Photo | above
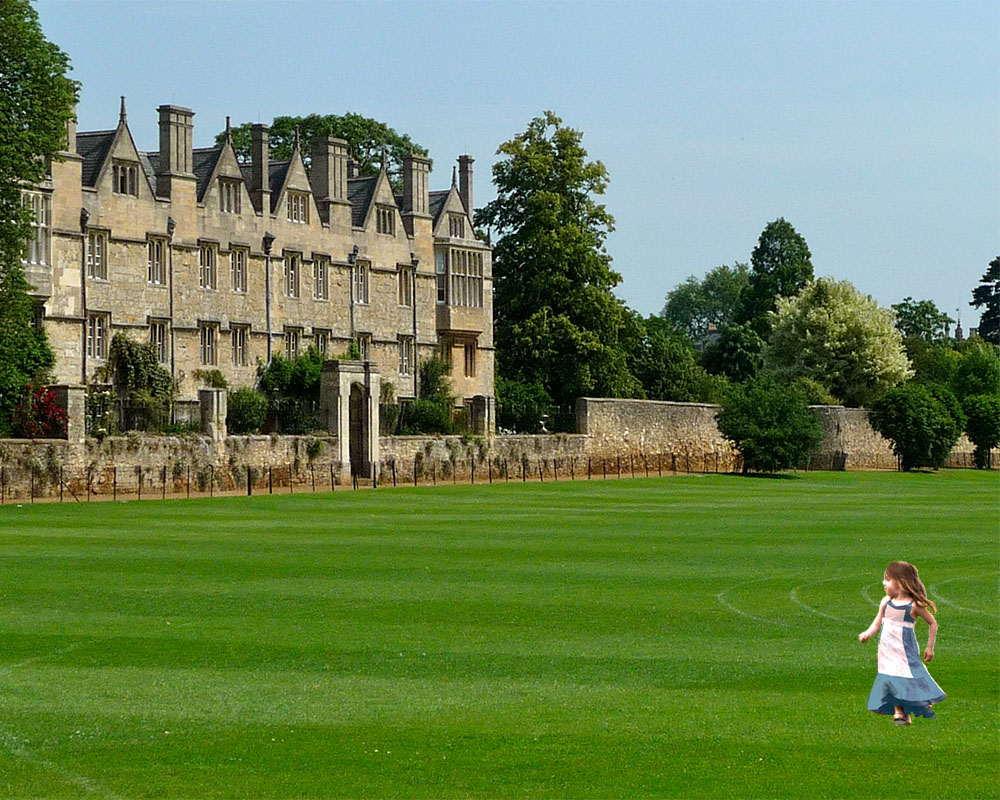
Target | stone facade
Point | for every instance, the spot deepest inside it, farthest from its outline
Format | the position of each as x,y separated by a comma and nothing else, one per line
223,263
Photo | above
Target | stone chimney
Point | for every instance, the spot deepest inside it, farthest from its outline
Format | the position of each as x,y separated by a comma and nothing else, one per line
176,159
71,132
353,171
416,194
465,182
329,173
260,180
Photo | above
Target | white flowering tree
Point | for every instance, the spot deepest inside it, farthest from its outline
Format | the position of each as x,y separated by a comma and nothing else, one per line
833,334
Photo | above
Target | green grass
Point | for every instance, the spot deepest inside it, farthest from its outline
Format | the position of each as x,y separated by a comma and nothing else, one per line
689,637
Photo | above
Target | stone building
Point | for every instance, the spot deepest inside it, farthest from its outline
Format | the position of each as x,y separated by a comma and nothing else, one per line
221,264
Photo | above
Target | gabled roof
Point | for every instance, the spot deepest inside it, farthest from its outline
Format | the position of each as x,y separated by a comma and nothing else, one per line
150,164
437,203
205,159
277,171
93,147
359,195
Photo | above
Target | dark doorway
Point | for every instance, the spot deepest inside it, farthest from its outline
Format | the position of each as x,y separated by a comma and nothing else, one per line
357,429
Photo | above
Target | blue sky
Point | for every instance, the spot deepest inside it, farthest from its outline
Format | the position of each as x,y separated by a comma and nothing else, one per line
874,128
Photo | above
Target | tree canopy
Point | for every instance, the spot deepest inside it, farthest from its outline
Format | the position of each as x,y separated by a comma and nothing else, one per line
988,294
36,102
366,139
921,319
840,338
919,423
781,266
557,323
666,364
695,304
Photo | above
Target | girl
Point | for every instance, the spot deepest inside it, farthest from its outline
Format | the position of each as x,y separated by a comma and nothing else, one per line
903,685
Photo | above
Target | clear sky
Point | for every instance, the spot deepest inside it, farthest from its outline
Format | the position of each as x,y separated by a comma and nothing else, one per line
873,127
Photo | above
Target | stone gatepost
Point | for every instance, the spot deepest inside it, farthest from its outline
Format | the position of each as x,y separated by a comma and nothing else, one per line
338,381
214,407
484,415
72,399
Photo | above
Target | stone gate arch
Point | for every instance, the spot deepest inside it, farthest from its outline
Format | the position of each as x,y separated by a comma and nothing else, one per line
349,392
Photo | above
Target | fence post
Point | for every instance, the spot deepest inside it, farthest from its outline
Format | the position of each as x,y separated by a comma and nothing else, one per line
645,461
88,484
333,479
588,467
393,463
270,479
60,484
138,489
619,467
631,464
434,473
541,477
31,471
290,489
114,482
249,483
506,472
3,484
312,474
489,466
555,469
211,480
523,468
414,471
189,483
472,470
163,483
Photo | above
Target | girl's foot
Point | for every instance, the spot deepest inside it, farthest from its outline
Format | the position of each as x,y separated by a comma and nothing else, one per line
902,719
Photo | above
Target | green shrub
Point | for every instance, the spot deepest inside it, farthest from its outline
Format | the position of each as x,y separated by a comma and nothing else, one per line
920,426
769,424
982,425
425,416
247,410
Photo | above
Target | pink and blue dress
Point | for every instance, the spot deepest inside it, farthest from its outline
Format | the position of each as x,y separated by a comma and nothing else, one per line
902,678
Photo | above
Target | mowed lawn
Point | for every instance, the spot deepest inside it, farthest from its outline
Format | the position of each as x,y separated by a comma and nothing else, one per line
689,637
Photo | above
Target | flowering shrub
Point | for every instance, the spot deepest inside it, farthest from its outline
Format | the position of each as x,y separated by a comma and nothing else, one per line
37,416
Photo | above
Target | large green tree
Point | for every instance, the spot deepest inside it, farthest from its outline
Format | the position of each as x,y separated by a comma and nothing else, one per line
36,101
366,138
919,422
557,323
781,266
665,362
921,319
988,294
696,304
833,334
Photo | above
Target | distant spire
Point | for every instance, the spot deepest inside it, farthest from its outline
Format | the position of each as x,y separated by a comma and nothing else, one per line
383,158
122,116
454,176
296,137
229,130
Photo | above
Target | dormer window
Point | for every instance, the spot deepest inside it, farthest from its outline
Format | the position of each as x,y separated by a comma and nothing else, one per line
297,206
125,176
456,226
229,196
385,221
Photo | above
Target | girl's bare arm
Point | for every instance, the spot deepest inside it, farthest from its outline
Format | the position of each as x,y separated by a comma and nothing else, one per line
932,627
867,634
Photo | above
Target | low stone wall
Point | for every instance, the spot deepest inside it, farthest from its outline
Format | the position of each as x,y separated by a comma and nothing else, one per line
617,437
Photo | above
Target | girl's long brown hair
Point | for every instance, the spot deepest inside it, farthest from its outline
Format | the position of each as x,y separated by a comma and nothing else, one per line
905,574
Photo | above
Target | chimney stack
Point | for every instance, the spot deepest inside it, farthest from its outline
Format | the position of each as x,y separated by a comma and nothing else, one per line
71,132
260,180
465,183
176,133
329,172
416,194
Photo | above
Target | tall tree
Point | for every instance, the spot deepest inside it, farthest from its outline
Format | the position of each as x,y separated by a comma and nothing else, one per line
557,323
714,300
988,294
840,338
921,319
665,362
366,139
781,266
36,102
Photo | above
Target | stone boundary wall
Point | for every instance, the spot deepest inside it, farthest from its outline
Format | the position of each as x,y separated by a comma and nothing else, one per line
617,437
